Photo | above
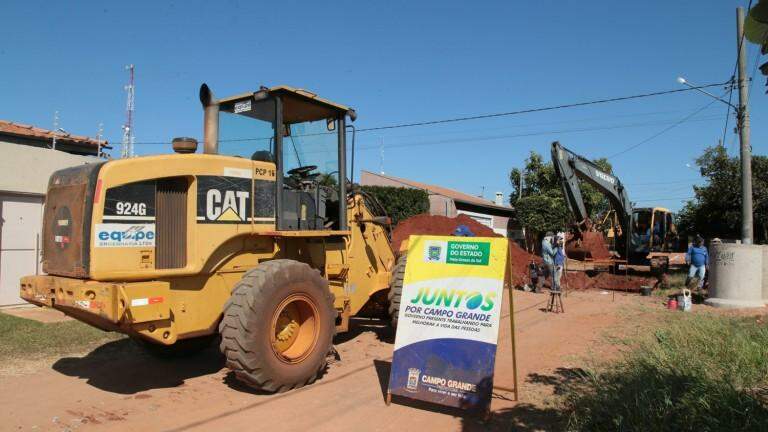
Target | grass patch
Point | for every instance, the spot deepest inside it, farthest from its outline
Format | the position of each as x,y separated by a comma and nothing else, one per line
697,372
26,339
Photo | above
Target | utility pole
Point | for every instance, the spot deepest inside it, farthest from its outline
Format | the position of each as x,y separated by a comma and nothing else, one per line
743,126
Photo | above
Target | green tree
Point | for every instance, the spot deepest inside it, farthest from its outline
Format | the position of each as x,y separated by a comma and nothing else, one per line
399,203
716,209
541,205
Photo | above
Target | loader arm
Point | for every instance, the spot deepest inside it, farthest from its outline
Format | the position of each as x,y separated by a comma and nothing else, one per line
570,167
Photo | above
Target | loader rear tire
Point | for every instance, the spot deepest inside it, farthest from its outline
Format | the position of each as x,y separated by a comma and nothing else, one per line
396,289
278,326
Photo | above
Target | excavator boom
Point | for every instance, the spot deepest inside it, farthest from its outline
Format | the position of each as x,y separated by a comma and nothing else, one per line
570,167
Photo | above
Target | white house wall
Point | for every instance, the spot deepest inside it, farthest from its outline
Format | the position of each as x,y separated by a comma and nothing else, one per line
20,224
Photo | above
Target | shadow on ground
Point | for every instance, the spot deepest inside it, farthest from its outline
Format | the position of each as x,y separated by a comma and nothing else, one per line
529,417
522,417
123,367
357,326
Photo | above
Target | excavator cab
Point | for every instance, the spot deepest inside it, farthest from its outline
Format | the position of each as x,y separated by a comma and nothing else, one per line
653,230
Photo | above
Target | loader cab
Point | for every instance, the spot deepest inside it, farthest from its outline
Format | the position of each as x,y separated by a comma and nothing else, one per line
302,135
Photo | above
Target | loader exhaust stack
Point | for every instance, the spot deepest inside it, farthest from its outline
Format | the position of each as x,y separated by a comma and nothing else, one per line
210,120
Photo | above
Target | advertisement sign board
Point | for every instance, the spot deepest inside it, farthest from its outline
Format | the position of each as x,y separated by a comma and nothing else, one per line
448,323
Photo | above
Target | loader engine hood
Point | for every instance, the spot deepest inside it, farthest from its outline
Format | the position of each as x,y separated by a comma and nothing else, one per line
67,220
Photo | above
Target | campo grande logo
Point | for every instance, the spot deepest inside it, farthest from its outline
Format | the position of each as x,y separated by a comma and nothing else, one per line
434,252
413,379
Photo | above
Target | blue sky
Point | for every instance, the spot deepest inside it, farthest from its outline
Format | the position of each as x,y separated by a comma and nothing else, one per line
399,62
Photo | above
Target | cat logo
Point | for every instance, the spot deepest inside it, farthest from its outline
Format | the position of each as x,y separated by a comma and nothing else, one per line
229,200
226,206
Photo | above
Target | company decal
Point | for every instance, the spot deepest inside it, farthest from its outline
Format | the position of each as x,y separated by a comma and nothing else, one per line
601,175
124,235
237,172
62,227
130,203
89,304
224,199
145,301
242,106
448,323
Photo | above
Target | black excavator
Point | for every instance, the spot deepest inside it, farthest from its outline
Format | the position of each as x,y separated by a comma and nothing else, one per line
643,236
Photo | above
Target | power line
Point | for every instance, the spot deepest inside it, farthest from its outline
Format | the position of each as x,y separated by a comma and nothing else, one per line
533,110
507,136
663,182
752,75
581,120
728,111
608,127
675,188
536,133
665,130
519,112
665,199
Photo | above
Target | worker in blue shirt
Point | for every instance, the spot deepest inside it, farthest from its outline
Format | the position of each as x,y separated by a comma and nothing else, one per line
559,261
548,255
698,259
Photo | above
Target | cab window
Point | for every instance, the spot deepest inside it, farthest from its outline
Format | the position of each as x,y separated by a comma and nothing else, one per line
246,129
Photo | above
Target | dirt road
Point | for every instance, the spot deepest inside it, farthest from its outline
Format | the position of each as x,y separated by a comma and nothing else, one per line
118,387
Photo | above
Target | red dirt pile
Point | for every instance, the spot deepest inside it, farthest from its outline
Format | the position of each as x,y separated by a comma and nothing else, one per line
609,281
590,245
579,281
426,224
519,265
441,225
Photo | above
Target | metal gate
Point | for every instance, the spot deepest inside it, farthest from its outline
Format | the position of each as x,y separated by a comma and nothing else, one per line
20,222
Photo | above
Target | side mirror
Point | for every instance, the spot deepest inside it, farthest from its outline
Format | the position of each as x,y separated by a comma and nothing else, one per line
330,124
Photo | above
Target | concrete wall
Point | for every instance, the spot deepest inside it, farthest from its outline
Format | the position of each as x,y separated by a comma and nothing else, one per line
26,170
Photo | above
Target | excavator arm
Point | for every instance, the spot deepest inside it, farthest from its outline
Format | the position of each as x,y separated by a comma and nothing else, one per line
571,167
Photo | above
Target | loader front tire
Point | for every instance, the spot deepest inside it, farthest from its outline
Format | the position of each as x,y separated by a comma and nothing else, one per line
278,326
396,289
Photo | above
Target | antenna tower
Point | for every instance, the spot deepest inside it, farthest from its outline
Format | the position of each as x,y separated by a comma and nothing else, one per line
127,145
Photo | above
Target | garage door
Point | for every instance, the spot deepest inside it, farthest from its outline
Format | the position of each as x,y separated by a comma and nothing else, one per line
20,222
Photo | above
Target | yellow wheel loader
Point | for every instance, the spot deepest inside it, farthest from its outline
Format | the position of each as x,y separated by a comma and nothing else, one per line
257,240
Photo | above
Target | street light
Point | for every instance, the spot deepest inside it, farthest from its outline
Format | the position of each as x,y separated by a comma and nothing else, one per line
683,81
